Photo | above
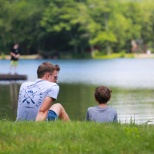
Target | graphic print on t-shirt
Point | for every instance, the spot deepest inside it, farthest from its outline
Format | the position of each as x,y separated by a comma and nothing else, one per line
30,96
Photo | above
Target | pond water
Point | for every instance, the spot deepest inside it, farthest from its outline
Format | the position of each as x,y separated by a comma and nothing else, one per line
131,80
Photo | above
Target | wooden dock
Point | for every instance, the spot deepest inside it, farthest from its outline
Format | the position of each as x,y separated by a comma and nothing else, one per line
8,77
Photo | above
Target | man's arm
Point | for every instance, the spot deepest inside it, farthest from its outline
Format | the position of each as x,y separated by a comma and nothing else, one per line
43,111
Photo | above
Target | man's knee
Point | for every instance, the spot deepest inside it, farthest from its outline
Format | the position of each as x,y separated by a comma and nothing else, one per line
59,105
60,111
58,108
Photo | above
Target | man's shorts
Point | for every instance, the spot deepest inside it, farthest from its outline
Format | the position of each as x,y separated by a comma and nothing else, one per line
14,62
52,116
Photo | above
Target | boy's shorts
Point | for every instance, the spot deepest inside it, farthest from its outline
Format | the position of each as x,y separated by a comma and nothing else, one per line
52,116
14,62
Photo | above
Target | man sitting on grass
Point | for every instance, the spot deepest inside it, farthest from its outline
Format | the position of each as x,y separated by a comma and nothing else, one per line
102,112
36,98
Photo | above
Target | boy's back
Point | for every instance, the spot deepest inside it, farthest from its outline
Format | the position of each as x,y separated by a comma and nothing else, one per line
99,114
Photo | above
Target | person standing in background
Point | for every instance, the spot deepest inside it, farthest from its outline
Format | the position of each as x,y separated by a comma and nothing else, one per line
15,53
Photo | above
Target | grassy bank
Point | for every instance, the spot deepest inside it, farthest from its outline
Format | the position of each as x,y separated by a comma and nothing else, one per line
75,138
100,55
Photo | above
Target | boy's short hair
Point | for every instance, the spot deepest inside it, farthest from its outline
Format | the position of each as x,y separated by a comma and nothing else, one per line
46,67
102,94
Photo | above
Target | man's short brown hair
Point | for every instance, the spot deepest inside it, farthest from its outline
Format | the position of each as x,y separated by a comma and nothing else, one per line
46,67
102,94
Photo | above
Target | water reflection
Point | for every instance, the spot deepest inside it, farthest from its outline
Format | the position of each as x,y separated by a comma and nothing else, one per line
13,94
8,100
136,105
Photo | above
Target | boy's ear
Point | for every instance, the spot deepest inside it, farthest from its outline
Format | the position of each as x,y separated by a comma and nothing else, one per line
96,100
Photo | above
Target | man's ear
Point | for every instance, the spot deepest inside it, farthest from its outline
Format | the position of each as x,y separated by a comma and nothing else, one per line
47,75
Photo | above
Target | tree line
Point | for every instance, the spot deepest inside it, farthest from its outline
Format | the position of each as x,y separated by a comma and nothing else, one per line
77,26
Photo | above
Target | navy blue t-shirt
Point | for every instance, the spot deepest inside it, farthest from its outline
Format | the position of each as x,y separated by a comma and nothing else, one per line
15,51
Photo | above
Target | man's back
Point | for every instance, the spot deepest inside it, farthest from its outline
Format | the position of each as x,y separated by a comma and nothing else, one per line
31,97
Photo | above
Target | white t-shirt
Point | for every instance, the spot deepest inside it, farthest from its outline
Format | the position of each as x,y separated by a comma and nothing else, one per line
31,97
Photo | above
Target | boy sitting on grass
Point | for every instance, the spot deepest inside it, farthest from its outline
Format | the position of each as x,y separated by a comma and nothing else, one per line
102,112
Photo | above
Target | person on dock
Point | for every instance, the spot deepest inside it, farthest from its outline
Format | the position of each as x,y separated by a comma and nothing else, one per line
36,98
102,112
14,57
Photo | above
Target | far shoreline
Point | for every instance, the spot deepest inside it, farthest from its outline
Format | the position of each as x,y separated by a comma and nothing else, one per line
35,56
111,56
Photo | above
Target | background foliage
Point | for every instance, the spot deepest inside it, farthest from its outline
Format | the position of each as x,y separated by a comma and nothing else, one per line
78,27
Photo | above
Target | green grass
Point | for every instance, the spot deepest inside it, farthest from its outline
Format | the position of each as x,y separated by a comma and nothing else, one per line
98,55
75,138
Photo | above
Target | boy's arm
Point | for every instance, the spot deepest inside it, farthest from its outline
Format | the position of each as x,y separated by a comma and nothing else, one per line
87,116
43,111
116,117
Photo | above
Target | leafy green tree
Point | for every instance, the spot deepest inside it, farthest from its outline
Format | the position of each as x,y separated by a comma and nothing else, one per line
21,22
62,20
75,25
147,30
